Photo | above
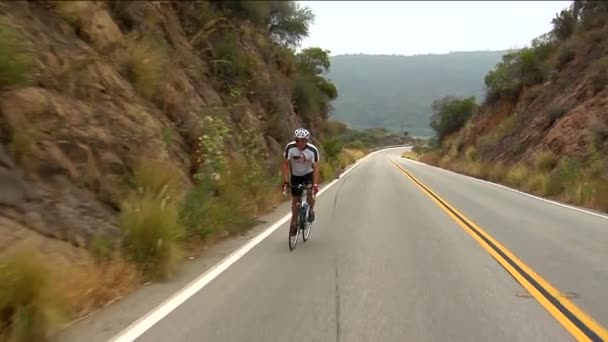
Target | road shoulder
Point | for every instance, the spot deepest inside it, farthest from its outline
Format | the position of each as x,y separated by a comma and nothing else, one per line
106,323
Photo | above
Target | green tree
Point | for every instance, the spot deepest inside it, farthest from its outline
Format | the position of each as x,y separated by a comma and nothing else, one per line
335,128
450,114
314,60
564,24
312,91
257,12
519,68
288,23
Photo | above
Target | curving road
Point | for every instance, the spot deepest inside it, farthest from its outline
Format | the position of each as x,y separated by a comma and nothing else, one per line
387,263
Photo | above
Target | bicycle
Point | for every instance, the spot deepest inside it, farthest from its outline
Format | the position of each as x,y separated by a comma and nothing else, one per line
301,223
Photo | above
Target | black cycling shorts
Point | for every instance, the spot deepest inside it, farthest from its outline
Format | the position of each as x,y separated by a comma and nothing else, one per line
296,180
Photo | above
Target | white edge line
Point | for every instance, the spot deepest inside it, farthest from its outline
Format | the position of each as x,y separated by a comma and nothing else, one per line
137,328
513,190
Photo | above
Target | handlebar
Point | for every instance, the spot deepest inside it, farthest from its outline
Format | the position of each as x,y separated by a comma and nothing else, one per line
299,186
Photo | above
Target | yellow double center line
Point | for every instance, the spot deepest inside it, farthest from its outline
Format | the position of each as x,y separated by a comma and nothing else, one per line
578,323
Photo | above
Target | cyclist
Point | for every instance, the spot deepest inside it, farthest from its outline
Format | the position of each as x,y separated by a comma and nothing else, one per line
302,159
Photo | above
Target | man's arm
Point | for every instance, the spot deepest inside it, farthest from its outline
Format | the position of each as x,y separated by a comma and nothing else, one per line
315,174
285,169
315,167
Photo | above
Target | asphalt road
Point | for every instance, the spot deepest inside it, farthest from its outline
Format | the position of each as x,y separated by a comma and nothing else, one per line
386,263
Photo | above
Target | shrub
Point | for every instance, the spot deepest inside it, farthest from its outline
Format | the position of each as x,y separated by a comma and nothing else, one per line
226,204
566,54
519,68
599,75
558,110
598,130
564,24
231,66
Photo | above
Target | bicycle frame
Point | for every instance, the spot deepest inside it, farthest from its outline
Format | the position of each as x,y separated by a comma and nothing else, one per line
301,220
303,204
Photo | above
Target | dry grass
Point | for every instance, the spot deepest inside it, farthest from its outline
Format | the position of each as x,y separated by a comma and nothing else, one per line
517,175
149,219
145,63
75,12
431,158
23,145
471,153
545,160
90,286
599,198
327,171
330,169
16,59
497,172
538,183
410,155
476,169
158,177
580,182
445,161
493,137
579,192
151,234
348,156
31,307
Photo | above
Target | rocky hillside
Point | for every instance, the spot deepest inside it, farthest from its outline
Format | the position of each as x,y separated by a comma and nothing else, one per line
543,126
129,128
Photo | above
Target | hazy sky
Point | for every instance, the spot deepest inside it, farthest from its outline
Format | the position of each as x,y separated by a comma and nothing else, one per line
412,27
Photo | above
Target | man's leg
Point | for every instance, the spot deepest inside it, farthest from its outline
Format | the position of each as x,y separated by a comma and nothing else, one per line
294,212
311,200
294,199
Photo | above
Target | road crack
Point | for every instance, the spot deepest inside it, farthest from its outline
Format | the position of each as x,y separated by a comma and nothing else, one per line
338,193
337,302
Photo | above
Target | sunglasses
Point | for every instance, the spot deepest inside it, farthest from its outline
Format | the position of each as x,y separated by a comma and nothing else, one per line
301,139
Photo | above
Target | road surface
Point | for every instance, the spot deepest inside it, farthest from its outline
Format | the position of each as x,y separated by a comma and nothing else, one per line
385,262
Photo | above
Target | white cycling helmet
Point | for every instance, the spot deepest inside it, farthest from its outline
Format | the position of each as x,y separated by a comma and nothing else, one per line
302,133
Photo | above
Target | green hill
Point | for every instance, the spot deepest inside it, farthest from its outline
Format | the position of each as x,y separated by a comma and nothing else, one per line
386,91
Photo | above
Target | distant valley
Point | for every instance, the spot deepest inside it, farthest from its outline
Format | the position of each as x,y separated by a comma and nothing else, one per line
391,91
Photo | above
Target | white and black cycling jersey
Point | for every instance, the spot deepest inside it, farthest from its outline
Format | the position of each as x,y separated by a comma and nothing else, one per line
301,160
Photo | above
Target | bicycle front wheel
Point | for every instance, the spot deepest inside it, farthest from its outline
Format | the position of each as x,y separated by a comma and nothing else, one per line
305,225
306,231
293,239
